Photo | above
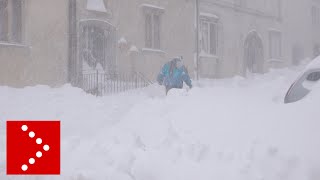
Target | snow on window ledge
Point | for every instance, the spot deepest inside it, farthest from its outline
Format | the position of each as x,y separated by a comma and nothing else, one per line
152,6
209,15
13,45
273,60
206,55
150,50
149,8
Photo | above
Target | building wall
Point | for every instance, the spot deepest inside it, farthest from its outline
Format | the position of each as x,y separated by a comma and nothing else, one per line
43,55
177,34
297,29
237,18
315,27
127,16
236,21
41,58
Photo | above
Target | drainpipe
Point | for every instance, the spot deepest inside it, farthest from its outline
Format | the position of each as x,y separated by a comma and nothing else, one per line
72,49
197,39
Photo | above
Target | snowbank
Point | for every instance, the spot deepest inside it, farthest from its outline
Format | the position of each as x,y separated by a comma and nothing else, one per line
229,129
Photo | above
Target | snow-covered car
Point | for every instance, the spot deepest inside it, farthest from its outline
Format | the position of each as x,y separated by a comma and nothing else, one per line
304,83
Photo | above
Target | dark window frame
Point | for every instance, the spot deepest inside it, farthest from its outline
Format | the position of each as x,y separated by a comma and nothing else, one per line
212,35
11,21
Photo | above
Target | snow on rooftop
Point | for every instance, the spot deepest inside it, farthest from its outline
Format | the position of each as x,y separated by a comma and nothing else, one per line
96,5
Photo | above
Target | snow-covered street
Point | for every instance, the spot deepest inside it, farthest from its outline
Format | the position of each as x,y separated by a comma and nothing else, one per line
230,129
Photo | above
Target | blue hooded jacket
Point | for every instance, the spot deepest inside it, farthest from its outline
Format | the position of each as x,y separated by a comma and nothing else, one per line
173,77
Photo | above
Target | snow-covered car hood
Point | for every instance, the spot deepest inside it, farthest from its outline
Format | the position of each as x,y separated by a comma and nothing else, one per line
305,82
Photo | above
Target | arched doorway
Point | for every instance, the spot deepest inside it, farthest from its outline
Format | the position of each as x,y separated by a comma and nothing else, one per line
253,53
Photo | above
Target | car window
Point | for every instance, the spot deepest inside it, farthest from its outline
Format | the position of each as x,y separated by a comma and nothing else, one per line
314,76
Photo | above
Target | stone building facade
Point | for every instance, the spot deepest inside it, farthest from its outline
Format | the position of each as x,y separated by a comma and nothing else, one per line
252,36
34,42
57,42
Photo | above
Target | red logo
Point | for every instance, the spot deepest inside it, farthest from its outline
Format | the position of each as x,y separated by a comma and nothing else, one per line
33,147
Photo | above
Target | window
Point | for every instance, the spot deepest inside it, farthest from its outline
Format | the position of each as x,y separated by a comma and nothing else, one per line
11,21
209,36
315,13
152,26
152,31
314,76
3,20
275,44
16,21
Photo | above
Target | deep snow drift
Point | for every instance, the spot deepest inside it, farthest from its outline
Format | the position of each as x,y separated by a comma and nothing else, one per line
229,129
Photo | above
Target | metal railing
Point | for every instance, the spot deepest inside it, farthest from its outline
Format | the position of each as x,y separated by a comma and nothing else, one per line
101,83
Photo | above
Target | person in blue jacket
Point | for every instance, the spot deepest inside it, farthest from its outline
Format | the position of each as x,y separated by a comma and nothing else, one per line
173,74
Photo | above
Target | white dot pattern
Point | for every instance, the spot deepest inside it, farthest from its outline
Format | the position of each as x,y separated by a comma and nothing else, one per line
24,128
39,141
39,154
31,134
32,161
24,167
46,147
